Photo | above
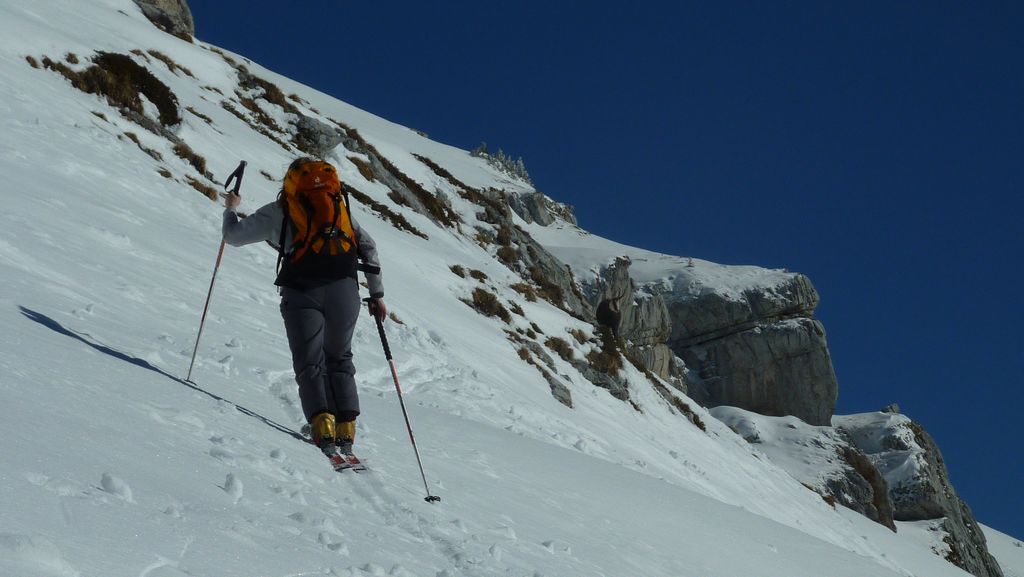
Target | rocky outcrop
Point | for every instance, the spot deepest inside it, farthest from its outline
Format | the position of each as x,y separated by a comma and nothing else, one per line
757,348
700,314
538,207
919,485
316,138
171,16
640,317
754,345
779,368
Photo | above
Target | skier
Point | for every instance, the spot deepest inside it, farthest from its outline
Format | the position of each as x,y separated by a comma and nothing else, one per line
319,244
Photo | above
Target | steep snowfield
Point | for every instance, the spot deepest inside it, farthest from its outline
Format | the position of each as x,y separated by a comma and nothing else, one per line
113,465
1008,550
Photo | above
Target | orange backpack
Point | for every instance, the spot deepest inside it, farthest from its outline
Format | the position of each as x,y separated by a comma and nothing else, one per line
318,211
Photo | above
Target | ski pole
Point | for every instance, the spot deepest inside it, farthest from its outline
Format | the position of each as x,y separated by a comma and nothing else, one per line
398,387
236,176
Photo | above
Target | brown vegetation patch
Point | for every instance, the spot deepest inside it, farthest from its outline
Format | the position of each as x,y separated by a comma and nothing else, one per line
562,347
487,303
152,153
478,274
526,290
508,254
364,168
516,309
228,59
258,113
504,237
606,359
226,105
184,152
121,81
549,290
437,209
32,61
397,198
397,220
579,335
164,172
270,91
207,190
100,115
200,115
171,64
71,58
440,171
458,270
681,406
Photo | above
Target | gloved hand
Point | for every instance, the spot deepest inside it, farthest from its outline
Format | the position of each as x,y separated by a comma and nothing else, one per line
377,308
231,200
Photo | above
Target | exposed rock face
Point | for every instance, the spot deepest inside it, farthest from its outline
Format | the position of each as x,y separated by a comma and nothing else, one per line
538,207
919,485
700,316
862,487
171,16
660,360
641,318
780,368
759,349
315,137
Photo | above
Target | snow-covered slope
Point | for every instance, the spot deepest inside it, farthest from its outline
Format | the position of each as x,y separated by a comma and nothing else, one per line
113,465
1008,550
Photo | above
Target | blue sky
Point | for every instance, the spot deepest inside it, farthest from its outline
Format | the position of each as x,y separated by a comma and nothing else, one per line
875,147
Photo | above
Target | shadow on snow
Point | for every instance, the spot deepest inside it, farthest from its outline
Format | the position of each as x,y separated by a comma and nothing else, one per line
87,339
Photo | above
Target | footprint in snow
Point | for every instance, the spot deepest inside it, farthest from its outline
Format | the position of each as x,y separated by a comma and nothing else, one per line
233,487
333,546
81,313
117,487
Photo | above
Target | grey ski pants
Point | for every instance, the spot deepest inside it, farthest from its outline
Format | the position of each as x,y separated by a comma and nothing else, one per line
319,323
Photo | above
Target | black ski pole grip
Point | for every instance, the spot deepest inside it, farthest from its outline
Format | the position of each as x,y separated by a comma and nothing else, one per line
236,176
380,330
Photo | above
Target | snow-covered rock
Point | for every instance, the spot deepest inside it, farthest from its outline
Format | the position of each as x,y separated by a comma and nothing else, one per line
820,457
171,16
919,484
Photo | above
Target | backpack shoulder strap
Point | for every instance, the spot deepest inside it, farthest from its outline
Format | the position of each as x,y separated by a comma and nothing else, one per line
360,265
284,230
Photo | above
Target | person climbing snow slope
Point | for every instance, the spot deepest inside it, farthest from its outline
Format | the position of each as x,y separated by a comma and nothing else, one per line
320,248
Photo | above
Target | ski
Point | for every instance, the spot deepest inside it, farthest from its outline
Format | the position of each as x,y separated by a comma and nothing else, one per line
354,463
346,462
339,461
